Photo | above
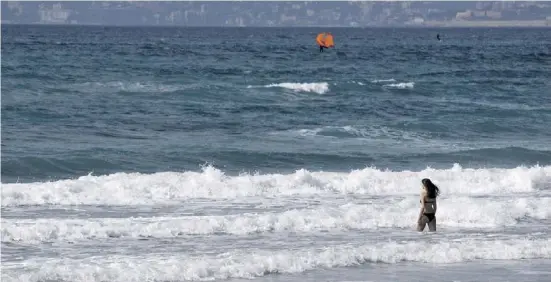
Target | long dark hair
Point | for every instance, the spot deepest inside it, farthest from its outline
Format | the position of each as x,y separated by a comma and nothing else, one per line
432,190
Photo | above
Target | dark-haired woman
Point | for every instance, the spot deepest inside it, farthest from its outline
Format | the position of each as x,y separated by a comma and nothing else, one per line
429,192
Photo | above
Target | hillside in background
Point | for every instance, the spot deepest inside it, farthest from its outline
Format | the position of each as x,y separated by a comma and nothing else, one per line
354,14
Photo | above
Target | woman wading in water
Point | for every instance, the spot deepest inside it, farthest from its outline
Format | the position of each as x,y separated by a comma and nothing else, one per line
429,192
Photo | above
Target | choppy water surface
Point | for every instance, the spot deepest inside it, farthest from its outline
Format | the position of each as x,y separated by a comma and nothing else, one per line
175,154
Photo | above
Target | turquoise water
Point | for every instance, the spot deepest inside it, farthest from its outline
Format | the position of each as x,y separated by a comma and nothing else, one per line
160,154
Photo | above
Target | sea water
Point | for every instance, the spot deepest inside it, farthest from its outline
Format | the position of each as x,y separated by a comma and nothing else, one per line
231,154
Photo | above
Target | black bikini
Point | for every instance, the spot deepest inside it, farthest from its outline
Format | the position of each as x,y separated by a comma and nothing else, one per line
430,216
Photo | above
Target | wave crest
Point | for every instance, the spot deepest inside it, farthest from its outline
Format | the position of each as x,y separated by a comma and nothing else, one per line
316,87
174,187
256,263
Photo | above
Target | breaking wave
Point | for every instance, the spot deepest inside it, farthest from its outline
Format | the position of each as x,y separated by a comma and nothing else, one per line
174,187
316,87
401,85
257,263
461,212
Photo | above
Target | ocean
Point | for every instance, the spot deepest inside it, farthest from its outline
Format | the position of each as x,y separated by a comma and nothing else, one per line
245,154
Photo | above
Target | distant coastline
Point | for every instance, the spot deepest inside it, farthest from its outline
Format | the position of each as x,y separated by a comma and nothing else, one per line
494,23
282,14
427,24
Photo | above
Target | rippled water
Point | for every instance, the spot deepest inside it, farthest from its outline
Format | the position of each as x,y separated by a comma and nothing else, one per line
174,154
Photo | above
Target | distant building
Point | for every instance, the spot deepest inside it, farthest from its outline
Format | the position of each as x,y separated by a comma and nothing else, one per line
56,15
418,20
493,15
464,15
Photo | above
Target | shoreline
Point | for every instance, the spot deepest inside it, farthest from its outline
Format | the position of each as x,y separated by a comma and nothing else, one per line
528,23
426,24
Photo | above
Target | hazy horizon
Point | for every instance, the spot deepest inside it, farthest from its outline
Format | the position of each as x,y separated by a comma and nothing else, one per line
279,14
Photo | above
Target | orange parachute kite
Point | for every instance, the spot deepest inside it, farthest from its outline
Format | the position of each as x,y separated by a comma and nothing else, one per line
325,40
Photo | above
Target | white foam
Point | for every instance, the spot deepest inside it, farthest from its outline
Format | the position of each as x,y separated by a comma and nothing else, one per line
383,80
401,85
316,87
134,86
460,212
381,132
257,263
308,132
371,132
174,187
